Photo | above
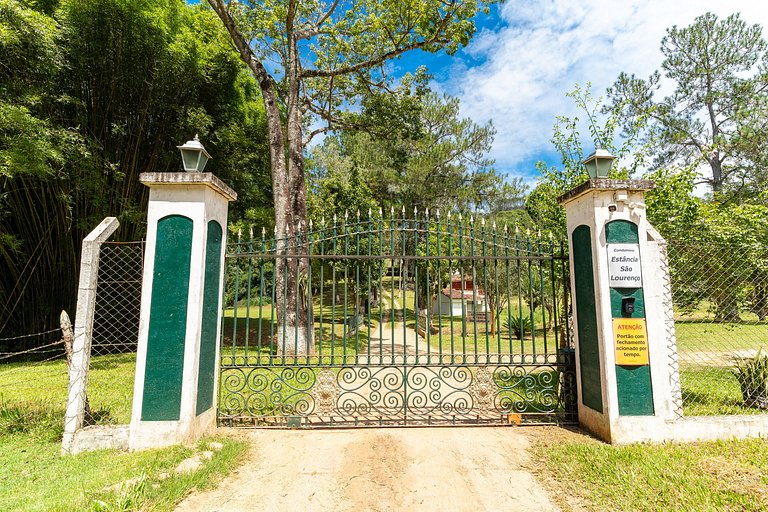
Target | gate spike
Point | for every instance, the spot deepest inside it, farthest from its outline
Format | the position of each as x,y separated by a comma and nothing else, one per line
334,219
346,216
358,214
505,227
403,211
322,221
369,213
494,225
392,211
310,224
459,216
449,215
426,212
381,213
483,221
437,213
263,231
250,232
239,234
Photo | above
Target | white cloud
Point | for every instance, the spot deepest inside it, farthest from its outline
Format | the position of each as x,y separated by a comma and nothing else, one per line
544,47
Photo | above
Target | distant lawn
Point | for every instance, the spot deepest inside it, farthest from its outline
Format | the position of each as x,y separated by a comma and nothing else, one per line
713,476
695,335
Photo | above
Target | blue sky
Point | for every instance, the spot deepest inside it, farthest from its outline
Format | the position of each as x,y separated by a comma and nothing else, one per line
527,54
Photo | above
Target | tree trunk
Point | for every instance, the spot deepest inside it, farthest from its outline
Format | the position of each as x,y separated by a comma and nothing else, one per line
293,335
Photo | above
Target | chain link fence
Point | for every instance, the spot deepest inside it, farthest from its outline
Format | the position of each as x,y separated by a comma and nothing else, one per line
720,297
115,331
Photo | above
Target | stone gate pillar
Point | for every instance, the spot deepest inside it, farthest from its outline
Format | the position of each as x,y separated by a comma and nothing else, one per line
176,378
626,384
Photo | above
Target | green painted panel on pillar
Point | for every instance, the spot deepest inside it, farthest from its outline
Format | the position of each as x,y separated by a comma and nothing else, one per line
621,232
207,368
589,351
634,390
167,320
633,383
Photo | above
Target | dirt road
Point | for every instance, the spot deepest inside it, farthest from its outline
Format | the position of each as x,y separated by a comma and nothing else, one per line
415,469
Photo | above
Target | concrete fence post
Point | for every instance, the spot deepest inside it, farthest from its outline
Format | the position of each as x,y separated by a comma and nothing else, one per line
81,347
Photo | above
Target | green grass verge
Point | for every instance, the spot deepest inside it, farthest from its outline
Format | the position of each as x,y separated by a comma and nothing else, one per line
713,476
35,476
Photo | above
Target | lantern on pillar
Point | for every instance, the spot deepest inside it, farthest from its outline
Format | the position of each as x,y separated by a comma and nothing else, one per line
599,163
193,155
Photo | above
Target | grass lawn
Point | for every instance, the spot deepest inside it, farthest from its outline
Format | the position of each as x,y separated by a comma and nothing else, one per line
583,473
35,476
696,335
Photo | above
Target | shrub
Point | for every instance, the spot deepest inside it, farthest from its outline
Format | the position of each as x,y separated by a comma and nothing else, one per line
518,325
752,374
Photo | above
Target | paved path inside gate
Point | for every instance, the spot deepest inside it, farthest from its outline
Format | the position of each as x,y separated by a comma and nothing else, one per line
396,469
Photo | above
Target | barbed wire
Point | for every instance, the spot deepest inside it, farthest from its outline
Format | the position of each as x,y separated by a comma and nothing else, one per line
8,355
22,336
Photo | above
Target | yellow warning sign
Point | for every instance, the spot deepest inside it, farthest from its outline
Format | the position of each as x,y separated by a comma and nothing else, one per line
630,339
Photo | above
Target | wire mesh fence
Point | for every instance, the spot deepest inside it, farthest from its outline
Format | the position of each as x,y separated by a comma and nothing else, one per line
115,331
720,296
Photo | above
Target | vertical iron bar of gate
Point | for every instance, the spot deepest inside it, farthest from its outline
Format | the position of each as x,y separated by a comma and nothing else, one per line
474,283
427,324
543,299
261,296
310,309
333,294
530,294
248,293
554,290
450,285
485,291
283,315
438,282
381,287
509,297
274,302
234,301
368,302
322,290
392,282
521,324
497,290
403,285
416,281
297,298
357,290
346,280
463,310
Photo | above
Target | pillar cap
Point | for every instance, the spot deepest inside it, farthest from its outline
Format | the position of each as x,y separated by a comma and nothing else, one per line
188,178
598,184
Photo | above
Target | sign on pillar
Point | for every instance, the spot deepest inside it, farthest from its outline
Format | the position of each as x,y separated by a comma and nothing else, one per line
175,384
623,377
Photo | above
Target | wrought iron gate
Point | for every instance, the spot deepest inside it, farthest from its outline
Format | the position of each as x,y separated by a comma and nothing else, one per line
420,321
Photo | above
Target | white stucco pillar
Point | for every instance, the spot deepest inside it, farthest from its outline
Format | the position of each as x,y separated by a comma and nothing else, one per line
175,387
626,384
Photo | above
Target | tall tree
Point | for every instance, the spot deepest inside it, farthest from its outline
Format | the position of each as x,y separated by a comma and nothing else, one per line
719,71
89,100
317,59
